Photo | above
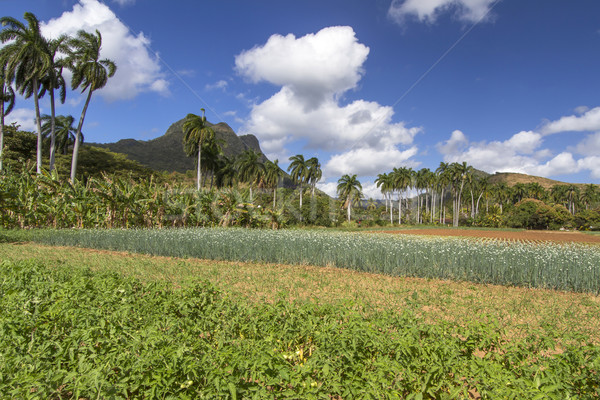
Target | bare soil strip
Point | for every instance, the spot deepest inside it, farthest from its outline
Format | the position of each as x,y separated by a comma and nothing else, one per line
529,236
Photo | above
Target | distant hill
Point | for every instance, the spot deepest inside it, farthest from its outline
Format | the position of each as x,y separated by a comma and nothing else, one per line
165,153
512,178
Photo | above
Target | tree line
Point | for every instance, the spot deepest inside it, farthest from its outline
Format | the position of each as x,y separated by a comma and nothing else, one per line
35,64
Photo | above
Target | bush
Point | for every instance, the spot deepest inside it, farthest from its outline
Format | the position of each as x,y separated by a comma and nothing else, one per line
535,214
587,220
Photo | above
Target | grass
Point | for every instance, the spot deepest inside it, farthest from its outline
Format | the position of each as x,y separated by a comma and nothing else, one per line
519,312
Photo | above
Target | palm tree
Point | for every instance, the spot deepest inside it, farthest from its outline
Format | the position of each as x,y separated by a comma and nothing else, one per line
422,182
589,195
402,179
502,193
314,173
64,131
212,150
196,131
572,193
90,73
460,173
251,169
53,80
7,95
299,172
26,60
273,175
519,190
349,190
385,183
443,174
226,172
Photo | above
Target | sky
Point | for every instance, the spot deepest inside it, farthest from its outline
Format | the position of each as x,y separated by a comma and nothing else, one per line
365,86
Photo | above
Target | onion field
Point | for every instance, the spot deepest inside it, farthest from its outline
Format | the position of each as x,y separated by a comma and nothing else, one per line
569,267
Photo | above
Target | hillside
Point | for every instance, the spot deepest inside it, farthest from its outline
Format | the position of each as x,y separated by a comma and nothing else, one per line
512,178
165,153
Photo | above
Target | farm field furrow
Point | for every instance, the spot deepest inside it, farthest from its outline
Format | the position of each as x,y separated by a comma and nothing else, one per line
517,236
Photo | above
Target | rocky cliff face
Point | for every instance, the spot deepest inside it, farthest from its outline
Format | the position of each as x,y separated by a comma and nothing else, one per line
165,153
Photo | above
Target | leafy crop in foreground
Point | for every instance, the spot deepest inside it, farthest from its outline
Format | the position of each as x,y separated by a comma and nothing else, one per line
68,333
565,267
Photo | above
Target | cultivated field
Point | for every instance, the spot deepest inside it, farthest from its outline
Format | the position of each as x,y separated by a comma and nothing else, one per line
83,323
514,235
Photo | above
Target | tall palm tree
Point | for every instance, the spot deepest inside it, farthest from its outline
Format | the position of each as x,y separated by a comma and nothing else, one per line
402,180
26,59
7,102
422,182
386,185
572,193
443,179
460,173
314,173
196,131
349,190
251,169
273,175
90,73
51,81
299,172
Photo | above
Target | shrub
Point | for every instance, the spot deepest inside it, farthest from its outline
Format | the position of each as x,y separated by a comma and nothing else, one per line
535,214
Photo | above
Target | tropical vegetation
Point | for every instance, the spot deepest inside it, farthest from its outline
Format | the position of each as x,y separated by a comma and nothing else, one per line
34,64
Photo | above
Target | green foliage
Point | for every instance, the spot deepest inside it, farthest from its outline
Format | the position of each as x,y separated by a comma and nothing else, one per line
535,214
71,333
19,148
587,220
564,267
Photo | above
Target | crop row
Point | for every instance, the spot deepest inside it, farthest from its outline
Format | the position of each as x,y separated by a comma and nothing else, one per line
565,267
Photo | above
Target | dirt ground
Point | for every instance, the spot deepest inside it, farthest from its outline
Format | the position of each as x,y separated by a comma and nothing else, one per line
529,236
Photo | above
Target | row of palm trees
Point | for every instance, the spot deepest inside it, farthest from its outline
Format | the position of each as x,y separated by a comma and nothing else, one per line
34,65
431,188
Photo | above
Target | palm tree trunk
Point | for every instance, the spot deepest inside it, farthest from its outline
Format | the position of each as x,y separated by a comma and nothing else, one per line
349,207
52,129
391,210
199,160
274,197
1,126
441,205
78,137
38,120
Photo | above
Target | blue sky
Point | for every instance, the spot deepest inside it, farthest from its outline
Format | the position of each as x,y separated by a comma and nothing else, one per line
363,85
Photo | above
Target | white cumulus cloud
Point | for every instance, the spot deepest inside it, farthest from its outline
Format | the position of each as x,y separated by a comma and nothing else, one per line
522,153
429,10
314,66
313,72
137,69
587,122
590,145
369,161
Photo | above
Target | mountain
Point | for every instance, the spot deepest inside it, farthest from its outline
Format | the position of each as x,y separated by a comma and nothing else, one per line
165,153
